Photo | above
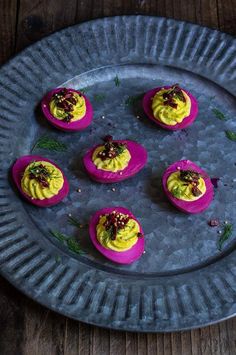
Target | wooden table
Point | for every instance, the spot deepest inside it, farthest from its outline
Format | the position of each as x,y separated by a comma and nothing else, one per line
28,328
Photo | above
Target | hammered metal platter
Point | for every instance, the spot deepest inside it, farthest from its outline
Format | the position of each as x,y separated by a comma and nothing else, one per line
182,281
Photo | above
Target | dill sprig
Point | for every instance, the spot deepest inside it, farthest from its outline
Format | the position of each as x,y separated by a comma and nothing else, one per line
231,135
74,221
57,258
49,143
59,236
84,90
71,243
131,100
227,232
74,246
117,80
176,192
220,115
120,148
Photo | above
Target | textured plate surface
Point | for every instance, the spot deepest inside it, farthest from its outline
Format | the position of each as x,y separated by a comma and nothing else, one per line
182,281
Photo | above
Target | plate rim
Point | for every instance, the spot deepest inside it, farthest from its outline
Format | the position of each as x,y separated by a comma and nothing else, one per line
138,21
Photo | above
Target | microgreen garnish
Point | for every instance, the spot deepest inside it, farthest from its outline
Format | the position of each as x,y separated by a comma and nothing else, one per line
173,93
65,100
231,135
49,143
99,97
111,149
71,243
120,148
114,222
117,80
131,100
227,232
176,192
74,221
40,173
219,114
191,177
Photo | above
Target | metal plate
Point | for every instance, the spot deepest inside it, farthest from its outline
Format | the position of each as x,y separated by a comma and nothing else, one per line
182,281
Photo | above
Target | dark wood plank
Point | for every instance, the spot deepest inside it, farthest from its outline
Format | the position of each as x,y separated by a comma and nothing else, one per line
12,319
205,341
117,343
8,19
131,343
36,19
100,341
227,16
195,342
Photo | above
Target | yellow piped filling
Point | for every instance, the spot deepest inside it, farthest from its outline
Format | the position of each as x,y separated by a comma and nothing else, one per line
78,112
120,162
167,114
125,239
34,189
183,191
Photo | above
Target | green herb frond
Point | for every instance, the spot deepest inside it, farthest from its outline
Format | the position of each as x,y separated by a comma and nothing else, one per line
117,80
131,100
220,115
49,143
74,221
70,242
231,135
74,246
59,236
227,232
176,192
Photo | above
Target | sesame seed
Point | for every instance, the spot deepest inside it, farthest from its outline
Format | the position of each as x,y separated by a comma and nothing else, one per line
78,190
103,117
69,215
219,232
137,116
226,222
144,252
120,173
44,105
113,189
178,167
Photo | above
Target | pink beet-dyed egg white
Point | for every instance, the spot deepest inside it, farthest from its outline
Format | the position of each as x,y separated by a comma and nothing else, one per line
196,206
18,170
137,161
187,121
67,105
120,257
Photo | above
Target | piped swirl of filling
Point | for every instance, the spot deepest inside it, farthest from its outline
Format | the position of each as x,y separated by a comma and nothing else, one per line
41,180
187,185
117,231
67,106
112,156
171,106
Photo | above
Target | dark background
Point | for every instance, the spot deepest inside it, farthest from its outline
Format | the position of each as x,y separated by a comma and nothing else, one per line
28,328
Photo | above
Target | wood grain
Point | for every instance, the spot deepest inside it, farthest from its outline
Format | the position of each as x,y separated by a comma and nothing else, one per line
28,328
8,19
